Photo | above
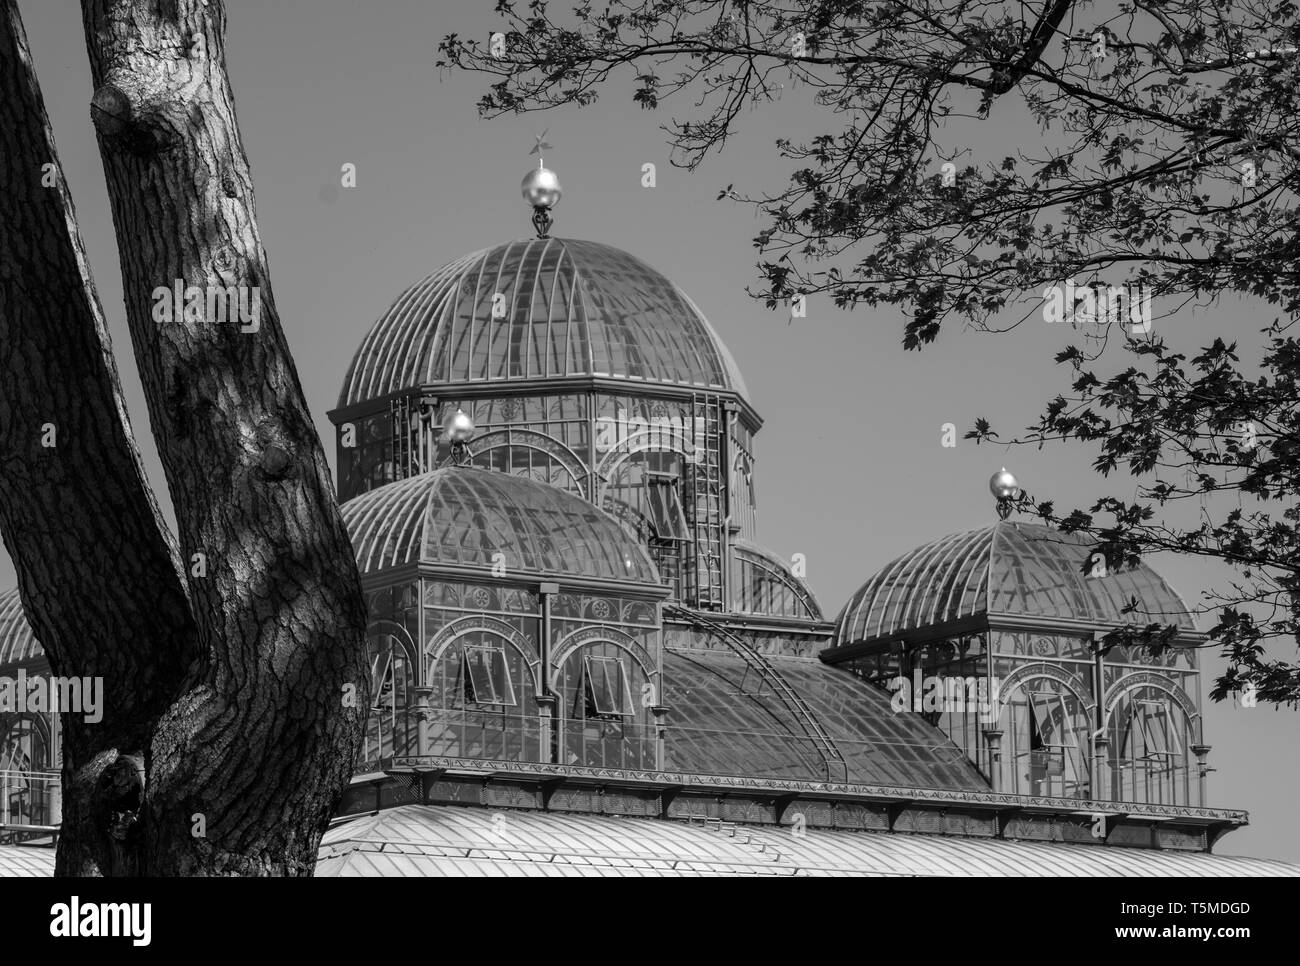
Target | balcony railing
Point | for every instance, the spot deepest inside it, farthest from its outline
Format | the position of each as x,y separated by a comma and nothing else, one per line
30,800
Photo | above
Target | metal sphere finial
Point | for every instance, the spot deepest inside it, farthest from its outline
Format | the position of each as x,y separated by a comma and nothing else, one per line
1006,490
459,430
541,189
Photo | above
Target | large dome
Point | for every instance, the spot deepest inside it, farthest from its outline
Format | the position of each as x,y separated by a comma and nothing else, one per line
566,309
18,645
465,517
1010,568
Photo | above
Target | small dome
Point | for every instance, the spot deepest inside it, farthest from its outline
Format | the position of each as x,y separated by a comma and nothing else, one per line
18,645
1013,568
568,309
464,517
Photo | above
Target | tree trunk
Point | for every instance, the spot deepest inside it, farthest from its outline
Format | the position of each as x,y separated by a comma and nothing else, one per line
244,765
94,560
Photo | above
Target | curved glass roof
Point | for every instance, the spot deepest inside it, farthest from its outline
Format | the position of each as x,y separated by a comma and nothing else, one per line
567,308
771,587
465,516
449,840
1011,567
18,644
723,722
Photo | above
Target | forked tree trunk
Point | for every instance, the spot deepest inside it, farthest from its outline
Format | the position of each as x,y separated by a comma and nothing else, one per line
94,561
241,754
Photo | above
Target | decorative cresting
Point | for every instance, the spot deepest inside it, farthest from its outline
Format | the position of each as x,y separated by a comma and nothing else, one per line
1025,673
1010,568
541,309
462,516
18,645
1149,679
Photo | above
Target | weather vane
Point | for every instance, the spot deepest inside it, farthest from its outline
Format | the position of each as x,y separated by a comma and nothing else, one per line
541,144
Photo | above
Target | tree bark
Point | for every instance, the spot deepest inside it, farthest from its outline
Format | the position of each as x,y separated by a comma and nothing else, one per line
95,562
258,749
252,734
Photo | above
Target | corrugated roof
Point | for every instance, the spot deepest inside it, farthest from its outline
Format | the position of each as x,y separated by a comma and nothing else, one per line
565,308
443,840
438,840
465,516
1017,568
26,861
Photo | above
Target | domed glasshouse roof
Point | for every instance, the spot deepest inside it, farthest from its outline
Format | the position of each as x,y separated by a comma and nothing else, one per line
1010,568
18,644
567,309
464,517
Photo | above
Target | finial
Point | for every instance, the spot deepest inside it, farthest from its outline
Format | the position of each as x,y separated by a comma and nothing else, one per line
541,189
1006,490
459,430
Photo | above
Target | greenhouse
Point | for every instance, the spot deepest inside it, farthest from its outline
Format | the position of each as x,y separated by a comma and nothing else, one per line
584,661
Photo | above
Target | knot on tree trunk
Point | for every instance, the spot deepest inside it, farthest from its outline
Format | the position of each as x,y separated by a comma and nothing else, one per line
121,118
119,796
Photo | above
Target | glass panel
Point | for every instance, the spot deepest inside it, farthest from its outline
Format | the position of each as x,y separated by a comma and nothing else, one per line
665,506
607,689
487,680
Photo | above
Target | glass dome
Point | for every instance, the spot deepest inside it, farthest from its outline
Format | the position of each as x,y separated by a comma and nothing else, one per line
18,645
474,518
1012,568
536,310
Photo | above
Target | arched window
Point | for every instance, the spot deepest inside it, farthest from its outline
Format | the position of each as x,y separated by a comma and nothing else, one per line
1045,748
23,744
484,699
25,795
1150,748
391,726
605,720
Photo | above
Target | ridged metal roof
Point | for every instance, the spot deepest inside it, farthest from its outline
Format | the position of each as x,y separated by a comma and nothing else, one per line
444,840
568,309
26,861
724,722
1011,567
18,644
465,516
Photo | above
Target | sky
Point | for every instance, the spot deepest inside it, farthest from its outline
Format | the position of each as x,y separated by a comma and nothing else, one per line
850,470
